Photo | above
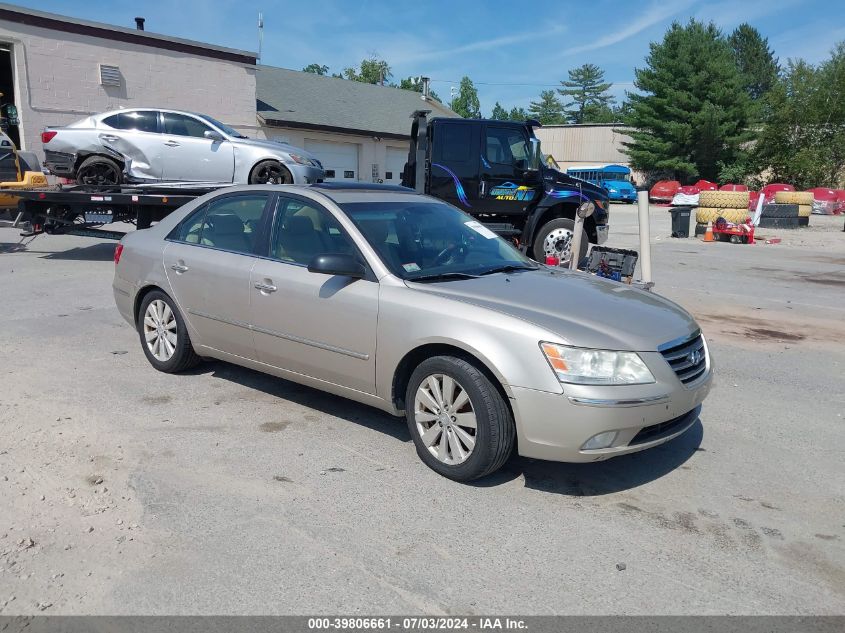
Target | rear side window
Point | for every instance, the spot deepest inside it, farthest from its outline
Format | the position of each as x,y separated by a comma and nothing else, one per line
140,121
181,125
456,142
231,223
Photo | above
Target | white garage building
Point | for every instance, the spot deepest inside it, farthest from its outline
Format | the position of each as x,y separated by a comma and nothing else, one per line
358,131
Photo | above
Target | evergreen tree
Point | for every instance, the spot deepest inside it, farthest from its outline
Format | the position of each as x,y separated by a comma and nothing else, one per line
415,84
756,62
518,114
588,91
499,113
691,116
466,102
548,110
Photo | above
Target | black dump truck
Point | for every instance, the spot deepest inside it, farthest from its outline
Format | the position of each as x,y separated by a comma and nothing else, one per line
494,170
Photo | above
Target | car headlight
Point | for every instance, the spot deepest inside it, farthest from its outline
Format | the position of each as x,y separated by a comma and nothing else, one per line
301,159
612,190
596,366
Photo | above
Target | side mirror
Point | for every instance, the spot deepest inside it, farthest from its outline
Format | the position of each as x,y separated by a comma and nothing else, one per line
217,137
534,155
337,264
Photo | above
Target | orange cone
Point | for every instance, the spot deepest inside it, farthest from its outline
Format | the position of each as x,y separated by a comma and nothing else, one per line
708,234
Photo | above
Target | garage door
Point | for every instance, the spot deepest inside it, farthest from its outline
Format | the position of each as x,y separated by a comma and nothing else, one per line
340,160
396,159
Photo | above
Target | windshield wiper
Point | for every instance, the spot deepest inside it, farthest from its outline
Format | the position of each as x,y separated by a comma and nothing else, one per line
508,269
444,277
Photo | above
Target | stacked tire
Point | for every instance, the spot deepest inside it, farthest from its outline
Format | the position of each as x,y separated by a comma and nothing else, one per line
730,205
804,200
780,215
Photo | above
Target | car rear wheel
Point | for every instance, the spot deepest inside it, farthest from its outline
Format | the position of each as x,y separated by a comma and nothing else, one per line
460,423
99,171
164,337
270,172
555,239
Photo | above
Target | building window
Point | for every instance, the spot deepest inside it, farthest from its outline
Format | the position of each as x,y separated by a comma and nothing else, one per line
349,174
330,173
388,175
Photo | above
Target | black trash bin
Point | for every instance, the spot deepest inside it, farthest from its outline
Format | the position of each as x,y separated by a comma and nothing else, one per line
681,221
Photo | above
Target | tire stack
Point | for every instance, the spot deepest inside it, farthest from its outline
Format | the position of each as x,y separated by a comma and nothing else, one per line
779,216
730,205
804,200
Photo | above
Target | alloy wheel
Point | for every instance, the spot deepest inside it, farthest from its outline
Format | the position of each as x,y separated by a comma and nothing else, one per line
445,419
160,330
558,243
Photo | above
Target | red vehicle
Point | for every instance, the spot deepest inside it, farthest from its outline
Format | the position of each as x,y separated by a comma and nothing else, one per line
771,189
664,190
706,185
733,187
736,233
840,202
689,190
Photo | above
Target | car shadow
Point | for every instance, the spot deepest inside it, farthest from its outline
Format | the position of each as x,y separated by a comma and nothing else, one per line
601,478
574,480
12,247
103,252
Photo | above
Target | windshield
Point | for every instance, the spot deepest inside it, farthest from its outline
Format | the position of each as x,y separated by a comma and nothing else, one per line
222,126
419,240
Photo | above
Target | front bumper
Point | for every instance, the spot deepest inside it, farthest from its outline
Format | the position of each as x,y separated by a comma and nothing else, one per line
305,174
555,426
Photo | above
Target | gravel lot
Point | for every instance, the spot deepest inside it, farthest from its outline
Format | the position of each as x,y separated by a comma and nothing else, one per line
127,491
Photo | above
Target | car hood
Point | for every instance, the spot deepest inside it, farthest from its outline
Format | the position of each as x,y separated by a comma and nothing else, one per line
576,308
556,180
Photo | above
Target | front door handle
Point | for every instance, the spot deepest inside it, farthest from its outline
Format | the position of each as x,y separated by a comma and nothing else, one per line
265,287
179,268
482,187
171,143
109,137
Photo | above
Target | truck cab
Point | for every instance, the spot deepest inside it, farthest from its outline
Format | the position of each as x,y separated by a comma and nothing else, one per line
494,171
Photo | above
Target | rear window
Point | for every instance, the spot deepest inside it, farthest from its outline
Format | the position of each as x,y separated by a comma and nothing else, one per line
141,121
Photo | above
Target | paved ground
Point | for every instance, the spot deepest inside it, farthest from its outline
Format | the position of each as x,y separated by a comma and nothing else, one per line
124,490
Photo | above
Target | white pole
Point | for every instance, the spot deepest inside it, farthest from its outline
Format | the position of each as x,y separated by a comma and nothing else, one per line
645,236
578,231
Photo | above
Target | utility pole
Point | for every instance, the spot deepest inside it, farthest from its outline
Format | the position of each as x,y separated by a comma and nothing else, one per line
260,33
453,92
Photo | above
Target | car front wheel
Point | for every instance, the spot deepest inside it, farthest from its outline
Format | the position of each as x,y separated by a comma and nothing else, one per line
460,423
270,172
555,238
164,337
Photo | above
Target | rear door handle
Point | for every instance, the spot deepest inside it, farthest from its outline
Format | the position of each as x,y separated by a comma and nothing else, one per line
109,137
179,268
265,287
171,143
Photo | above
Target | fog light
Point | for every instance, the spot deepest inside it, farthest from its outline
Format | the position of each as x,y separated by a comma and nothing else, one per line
602,440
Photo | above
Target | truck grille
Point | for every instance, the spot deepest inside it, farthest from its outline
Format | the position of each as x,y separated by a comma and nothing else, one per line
688,359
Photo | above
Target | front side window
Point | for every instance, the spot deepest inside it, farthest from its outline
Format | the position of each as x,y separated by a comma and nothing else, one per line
229,223
137,120
303,229
506,146
182,125
418,239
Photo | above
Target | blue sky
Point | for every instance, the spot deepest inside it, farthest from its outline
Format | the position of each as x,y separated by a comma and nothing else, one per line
511,50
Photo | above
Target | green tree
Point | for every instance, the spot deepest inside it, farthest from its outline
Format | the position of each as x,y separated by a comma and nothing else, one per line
691,115
756,62
518,114
466,102
548,110
371,71
416,84
588,91
317,69
802,138
499,113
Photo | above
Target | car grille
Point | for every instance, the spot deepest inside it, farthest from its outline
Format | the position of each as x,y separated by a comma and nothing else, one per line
688,359
664,429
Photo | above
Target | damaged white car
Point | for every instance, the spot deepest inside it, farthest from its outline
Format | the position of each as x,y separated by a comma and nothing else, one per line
153,145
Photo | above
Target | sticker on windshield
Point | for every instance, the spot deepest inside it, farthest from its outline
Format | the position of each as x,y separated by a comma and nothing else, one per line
479,228
411,268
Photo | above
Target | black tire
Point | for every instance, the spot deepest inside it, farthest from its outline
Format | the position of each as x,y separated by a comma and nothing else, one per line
804,220
183,357
547,229
99,171
778,223
495,432
270,171
779,211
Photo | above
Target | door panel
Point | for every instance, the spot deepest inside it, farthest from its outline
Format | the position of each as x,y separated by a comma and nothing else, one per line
395,160
455,163
135,135
340,160
319,325
188,156
504,163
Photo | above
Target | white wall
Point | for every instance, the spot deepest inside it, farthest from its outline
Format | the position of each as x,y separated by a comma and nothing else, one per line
57,80
370,151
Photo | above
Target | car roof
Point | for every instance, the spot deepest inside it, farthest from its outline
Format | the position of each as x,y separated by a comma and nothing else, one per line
334,191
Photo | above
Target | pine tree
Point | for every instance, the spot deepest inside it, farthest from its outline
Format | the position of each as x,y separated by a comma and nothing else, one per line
517,114
691,116
466,102
756,62
548,110
588,90
499,113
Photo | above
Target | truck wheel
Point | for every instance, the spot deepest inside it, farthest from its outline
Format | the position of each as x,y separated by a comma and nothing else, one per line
99,170
555,238
459,422
164,336
270,172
